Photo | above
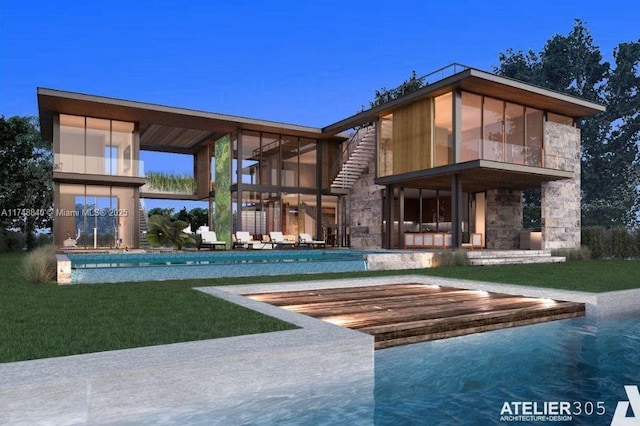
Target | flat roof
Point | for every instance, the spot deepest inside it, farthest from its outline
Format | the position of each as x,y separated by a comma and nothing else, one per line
482,83
190,127
183,130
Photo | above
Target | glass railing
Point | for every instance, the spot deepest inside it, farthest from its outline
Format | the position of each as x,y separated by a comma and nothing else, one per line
486,149
75,163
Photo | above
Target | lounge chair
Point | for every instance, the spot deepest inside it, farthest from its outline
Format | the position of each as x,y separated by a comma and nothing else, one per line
277,240
307,241
210,240
200,229
244,239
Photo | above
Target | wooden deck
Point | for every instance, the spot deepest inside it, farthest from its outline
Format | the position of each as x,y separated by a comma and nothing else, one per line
401,314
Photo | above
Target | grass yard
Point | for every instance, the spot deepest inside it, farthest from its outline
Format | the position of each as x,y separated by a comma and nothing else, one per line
46,320
592,276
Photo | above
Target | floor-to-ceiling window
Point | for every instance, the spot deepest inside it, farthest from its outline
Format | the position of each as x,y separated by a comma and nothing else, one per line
95,216
471,126
443,130
278,184
95,146
497,130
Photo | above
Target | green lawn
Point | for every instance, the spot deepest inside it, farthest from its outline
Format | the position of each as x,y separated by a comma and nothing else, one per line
592,276
40,321
46,320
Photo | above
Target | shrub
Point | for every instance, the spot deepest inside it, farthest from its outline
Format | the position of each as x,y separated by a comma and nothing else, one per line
11,241
43,240
450,258
40,265
582,253
164,231
621,243
596,240
613,243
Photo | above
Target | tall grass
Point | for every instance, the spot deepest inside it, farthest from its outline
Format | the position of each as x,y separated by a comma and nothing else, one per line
451,258
582,253
39,265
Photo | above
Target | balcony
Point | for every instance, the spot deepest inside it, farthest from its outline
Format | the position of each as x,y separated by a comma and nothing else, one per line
484,149
87,165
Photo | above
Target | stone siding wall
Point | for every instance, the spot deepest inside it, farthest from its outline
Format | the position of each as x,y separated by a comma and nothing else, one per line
560,200
365,208
503,219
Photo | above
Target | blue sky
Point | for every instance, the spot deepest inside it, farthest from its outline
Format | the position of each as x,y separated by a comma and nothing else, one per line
302,62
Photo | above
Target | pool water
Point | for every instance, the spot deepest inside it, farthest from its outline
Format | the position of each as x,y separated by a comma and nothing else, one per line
462,381
119,267
467,380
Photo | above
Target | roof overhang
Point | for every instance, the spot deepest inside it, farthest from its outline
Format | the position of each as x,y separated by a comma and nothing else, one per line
165,128
477,176
482,83
161,127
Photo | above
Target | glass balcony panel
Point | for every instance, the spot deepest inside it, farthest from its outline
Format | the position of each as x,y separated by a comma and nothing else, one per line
78,163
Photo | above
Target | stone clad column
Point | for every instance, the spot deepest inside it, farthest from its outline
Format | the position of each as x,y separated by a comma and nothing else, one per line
560,200
503,219
366,212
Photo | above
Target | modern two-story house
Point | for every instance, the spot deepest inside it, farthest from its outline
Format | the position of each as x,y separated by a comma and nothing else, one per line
433,168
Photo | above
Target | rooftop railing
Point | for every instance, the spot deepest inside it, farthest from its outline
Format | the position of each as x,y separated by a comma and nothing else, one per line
416,83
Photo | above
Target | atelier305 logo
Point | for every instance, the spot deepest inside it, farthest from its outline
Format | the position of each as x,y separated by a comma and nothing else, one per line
627,413
620,415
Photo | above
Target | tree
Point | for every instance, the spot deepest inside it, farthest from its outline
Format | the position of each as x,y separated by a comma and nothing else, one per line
164,231
26,170
167,211
199,217
384,95
573,64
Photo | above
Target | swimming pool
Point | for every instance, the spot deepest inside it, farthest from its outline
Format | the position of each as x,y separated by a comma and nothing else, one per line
467,380
120,267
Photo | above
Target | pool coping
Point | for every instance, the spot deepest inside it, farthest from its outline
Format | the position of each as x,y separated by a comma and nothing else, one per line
132,384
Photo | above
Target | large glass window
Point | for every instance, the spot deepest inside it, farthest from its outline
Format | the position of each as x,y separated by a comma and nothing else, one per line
270,159
96,146
508,132
250,157
534,135
290,161
71,152
95,216
308,161
493,129
471,126
514,133
385,146
234,153
122,144
443,130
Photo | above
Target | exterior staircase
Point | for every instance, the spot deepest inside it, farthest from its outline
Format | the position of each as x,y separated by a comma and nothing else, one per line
355,159
143,225
511,257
